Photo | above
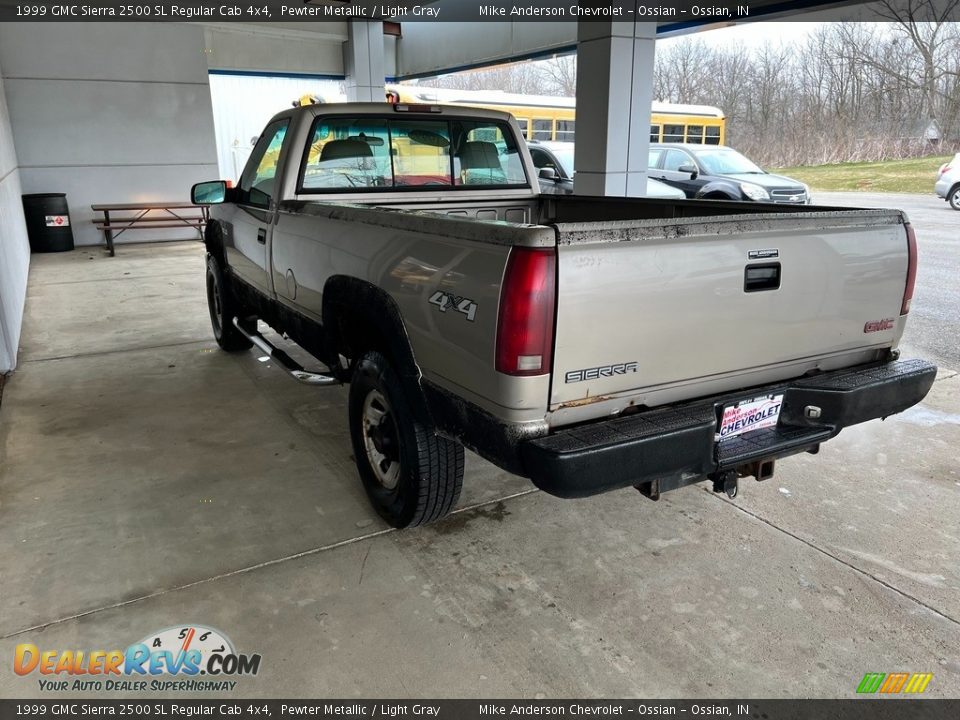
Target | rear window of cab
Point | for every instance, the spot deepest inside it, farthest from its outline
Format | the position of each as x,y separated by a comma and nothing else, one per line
369,154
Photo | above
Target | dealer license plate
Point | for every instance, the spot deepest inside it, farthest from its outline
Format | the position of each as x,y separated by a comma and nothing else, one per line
748,415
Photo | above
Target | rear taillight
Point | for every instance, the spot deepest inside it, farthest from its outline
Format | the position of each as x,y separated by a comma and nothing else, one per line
911,269
945,168
525,323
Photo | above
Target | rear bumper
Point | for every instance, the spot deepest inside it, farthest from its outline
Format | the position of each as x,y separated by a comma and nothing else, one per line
676,445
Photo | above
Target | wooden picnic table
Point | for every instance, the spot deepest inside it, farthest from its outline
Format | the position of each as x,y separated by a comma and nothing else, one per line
137,217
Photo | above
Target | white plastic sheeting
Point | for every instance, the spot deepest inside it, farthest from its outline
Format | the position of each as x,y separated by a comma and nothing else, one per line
242,105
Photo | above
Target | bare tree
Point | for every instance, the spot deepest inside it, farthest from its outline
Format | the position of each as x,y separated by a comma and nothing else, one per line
560,75
847,91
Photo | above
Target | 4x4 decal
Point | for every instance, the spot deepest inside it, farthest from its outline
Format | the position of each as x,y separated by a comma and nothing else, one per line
445,301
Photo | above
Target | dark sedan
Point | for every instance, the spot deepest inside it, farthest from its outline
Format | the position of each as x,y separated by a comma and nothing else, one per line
717,172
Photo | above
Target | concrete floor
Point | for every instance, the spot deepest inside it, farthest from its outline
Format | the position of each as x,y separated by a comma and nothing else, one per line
148,480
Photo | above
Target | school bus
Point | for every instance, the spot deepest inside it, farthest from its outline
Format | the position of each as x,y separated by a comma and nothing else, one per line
544,117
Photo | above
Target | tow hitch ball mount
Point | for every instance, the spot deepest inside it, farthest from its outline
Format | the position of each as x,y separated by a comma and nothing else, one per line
727,481
724,481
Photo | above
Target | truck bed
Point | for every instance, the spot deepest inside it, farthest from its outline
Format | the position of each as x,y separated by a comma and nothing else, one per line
652,299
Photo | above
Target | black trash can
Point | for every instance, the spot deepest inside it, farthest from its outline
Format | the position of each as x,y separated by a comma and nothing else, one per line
48,222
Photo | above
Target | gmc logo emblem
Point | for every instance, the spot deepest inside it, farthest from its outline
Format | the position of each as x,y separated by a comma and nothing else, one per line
878,325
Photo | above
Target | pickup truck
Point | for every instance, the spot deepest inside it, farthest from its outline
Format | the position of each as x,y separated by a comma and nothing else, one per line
587,343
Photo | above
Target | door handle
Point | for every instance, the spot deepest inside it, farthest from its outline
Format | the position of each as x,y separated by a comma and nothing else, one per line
262,236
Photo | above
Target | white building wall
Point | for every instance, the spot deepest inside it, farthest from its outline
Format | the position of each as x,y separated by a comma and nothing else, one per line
242,106
14,248
109,112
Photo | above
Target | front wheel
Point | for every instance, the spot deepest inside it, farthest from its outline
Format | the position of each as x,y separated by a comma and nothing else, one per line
955,197
223,309
411,475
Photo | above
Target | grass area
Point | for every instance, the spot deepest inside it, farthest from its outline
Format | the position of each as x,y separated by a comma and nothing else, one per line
916,175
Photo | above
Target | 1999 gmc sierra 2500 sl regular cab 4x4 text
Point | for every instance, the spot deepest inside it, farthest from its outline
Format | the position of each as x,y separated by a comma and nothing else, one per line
588,343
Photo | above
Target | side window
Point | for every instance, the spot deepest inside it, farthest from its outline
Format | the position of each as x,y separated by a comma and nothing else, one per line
695,134
258,181
675,159
653,158
540,158
654,133
524,127
713,135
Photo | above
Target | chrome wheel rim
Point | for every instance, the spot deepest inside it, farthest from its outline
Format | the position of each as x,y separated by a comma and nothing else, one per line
955,198
380,439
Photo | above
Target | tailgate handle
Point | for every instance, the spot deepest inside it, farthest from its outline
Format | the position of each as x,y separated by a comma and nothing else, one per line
262,236
761,277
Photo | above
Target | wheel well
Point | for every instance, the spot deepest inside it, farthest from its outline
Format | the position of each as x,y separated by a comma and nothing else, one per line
213,240
358,316
716,195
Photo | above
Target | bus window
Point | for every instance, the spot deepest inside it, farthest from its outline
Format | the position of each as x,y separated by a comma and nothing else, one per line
673,133
654,133
524,127
695,134
713,135
565,130
542,130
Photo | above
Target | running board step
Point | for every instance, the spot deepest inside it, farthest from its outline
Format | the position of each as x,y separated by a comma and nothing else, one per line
286,363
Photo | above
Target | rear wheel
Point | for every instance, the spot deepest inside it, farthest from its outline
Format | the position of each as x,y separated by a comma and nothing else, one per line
411,475
955,197
223,309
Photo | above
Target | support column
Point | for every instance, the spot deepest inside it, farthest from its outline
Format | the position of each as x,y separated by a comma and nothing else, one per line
363,61
614,93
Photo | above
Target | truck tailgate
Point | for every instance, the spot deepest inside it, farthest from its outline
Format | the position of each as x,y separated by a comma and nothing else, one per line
648,304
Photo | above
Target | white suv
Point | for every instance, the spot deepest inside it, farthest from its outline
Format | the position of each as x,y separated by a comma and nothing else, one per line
948,182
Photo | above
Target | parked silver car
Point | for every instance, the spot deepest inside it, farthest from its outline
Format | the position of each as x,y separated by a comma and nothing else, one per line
948,182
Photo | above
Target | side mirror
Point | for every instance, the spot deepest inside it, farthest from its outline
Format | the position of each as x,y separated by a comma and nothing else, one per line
209,193
688,169
548,173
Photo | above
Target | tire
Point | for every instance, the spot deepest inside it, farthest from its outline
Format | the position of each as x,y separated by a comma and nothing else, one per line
411,475
223,309
955,197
